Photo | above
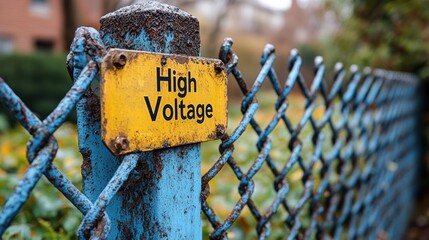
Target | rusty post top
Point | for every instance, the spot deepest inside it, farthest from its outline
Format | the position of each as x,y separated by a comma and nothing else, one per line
152,26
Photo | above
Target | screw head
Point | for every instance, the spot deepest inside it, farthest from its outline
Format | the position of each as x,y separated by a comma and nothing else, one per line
163,60
121,143
119,60
220,130
218,67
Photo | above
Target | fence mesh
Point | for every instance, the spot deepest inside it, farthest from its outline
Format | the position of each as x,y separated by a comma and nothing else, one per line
345,168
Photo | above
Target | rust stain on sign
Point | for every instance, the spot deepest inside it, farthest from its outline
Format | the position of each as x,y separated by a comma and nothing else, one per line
153,100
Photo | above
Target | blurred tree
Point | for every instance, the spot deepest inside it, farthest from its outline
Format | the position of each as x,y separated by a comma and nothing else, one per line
391,34
69,22
71,15
222,9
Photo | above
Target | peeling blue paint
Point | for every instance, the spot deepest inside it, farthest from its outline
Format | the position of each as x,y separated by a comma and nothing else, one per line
160,199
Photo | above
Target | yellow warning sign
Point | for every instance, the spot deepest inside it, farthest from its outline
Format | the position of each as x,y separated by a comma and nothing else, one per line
152,100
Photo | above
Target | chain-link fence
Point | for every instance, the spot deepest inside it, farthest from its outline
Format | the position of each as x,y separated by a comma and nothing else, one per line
356,162
343,166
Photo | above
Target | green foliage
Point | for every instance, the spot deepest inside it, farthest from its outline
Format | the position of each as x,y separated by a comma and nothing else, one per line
308,53
390,34
39,79
46,214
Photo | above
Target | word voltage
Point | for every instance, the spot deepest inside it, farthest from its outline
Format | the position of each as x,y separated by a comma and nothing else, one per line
153,100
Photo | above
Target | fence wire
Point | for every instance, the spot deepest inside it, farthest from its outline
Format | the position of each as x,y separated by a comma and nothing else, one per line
356,171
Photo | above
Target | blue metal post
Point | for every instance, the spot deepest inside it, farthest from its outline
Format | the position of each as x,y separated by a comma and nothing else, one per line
160,199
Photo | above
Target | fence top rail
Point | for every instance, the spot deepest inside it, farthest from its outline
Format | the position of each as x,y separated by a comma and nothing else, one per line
396,76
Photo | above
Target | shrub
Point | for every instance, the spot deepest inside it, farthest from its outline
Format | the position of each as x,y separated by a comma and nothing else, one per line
40,79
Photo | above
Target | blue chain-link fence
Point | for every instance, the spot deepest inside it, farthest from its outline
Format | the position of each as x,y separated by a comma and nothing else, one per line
345,169
354,163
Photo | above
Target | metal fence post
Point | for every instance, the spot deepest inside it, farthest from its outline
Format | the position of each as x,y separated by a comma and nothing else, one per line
160,200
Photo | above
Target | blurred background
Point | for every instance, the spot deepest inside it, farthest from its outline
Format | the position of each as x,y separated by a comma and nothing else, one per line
35,36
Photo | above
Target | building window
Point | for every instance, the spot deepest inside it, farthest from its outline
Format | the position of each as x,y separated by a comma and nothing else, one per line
44,45
40,8
6,44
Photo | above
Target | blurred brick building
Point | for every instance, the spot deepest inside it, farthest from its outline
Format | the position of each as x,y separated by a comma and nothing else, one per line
44,25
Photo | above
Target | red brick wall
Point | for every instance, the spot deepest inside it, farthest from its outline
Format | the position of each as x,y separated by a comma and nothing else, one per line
89,12
24,24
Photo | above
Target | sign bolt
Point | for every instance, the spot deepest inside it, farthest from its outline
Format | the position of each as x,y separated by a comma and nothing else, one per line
121,143
119,60
163,61
218,67
220,130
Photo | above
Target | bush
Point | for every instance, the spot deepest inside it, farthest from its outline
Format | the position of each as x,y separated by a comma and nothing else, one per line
46,214
40,79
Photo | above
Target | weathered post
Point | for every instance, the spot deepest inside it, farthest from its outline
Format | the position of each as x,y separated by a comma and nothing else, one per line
160,200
